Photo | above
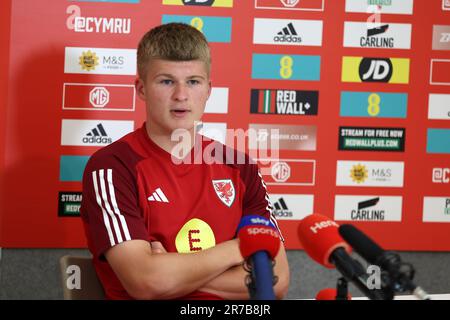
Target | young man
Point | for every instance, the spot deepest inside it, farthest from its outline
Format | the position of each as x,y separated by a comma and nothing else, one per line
143,211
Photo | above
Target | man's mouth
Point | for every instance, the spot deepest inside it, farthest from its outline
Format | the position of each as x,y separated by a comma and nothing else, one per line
180,112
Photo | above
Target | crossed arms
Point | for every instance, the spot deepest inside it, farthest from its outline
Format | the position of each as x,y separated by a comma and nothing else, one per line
147,271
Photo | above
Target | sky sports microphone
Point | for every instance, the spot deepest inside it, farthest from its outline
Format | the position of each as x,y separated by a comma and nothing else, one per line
259,243
321,240
399,274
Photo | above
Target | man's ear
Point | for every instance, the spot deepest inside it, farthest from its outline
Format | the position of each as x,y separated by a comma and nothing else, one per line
140,88
209,88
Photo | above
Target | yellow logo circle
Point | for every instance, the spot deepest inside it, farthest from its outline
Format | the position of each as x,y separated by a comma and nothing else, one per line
359,173
196,235
88,60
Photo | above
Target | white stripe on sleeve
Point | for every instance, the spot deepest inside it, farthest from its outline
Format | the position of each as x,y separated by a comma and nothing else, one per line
116,207
108,207
105,216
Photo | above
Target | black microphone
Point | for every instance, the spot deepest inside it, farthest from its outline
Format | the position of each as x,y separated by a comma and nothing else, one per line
320,239
399,274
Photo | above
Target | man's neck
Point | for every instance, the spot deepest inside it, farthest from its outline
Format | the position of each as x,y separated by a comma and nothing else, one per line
184,140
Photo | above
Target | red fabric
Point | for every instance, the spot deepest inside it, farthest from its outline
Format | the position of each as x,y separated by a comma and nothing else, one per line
319,236
254,238
120,179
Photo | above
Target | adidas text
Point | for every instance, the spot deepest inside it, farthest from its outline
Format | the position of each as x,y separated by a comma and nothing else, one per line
102,140
287,39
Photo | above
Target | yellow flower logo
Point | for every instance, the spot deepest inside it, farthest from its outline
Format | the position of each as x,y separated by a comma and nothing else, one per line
88,60
359,173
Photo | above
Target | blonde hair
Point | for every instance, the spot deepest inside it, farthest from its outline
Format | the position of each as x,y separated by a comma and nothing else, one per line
174,42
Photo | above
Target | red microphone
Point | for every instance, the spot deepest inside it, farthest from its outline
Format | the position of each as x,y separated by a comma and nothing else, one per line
320,238
330,294
257,238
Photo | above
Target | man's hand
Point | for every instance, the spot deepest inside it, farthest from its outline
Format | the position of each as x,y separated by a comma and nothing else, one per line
148,271
157,247
231,283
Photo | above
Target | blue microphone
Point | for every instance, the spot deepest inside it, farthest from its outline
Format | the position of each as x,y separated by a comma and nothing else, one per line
259,244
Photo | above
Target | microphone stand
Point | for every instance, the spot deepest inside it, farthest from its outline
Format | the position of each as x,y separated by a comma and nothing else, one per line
342,289
353,271
396,275
399,275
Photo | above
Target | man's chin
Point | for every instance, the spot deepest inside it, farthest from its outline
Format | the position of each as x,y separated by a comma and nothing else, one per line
186,125
182,128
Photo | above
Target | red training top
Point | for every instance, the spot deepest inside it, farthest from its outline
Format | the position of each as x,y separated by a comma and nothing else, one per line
132,189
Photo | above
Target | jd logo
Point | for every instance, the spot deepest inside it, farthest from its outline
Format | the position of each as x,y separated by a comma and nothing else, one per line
375,70
198,2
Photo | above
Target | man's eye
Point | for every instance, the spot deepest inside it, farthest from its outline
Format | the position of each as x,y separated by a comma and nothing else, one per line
166,81
192,82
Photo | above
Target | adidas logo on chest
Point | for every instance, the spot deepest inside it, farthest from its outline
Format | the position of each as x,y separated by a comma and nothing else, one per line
158,196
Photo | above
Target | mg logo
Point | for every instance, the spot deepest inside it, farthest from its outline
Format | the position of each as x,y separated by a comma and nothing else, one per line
99,97
375,70
445,4
281,171
290,3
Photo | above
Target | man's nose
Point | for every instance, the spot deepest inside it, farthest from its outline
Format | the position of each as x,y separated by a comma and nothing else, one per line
180,93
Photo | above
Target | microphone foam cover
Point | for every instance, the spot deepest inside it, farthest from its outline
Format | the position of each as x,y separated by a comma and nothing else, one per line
254,238
362,244
319,237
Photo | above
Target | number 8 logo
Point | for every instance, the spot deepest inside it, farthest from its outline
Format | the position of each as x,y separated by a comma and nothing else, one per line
286,64
197,23
374,105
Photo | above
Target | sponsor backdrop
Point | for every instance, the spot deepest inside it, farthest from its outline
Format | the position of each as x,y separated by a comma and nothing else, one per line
356,93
